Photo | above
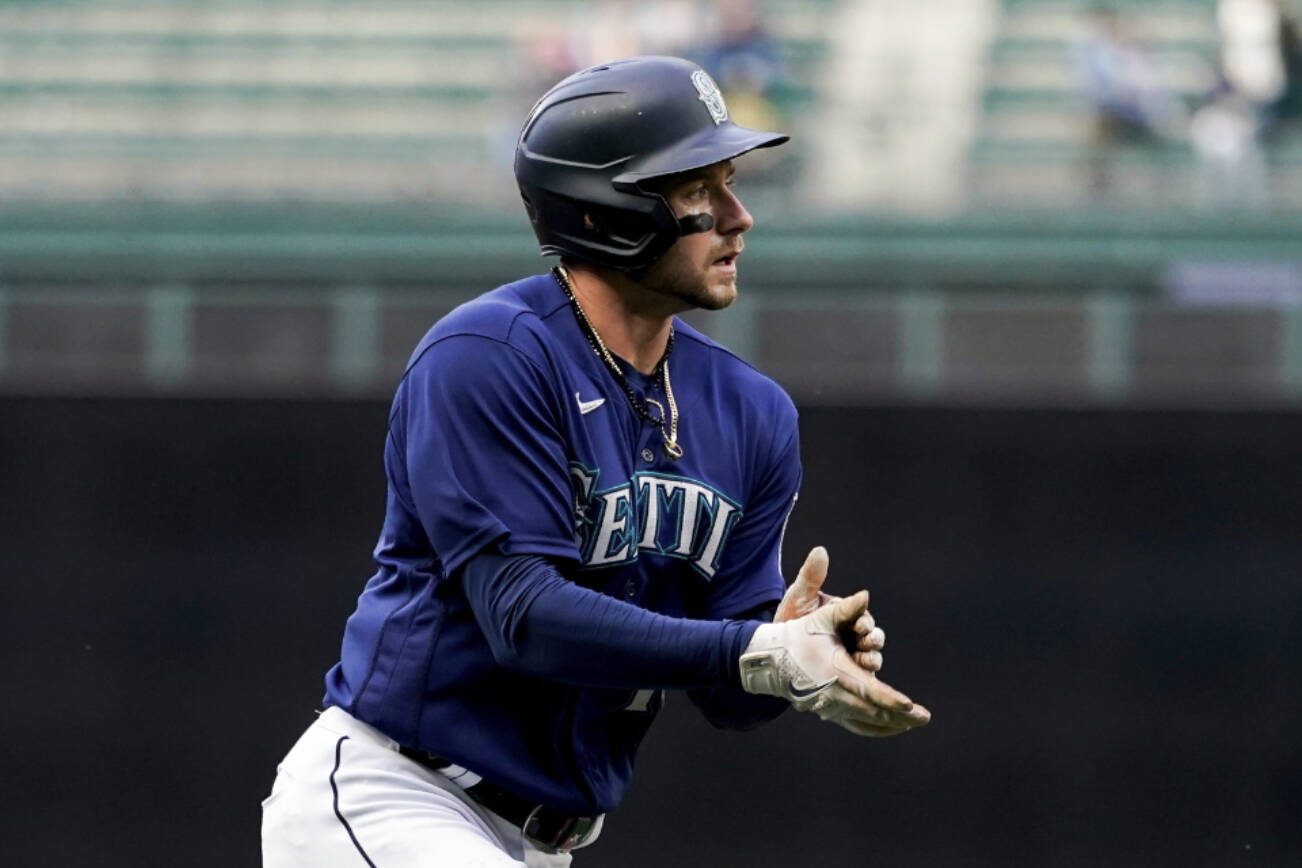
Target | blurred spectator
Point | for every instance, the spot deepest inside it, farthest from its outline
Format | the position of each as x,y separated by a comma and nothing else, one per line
547,57
1252,54
1227,132
1127,97
1225,135
1290,105
615,29
746,62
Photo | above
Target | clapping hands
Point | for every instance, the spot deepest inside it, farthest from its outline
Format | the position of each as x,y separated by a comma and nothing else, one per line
859,701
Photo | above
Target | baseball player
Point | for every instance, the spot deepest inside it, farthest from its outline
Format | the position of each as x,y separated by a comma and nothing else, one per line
586,502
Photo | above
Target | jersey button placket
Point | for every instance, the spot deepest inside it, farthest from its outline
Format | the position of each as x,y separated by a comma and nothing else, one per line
630,589
648,455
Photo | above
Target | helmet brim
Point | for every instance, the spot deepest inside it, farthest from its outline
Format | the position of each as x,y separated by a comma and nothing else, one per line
724,142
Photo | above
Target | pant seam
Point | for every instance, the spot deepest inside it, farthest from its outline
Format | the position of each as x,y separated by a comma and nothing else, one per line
334,788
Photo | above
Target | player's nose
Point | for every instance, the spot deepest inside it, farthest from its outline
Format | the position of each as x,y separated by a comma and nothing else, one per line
732,216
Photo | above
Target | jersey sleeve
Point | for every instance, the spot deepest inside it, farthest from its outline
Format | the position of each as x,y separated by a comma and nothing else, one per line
539,623
750,571
483,452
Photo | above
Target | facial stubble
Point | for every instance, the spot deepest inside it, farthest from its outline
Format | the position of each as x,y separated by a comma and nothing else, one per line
675,277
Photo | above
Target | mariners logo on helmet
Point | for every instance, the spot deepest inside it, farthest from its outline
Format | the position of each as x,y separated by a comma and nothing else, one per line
710,95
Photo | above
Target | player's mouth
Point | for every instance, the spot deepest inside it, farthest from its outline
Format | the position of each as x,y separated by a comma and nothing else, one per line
727,262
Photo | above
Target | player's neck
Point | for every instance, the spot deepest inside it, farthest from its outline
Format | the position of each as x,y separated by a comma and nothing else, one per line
633,323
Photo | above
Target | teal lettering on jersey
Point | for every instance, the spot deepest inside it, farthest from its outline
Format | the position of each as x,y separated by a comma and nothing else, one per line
656,513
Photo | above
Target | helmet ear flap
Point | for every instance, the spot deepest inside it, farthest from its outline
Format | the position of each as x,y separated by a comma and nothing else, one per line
637,237
624,238
616,227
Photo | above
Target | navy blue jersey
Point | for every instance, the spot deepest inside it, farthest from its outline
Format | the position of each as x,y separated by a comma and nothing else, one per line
509,433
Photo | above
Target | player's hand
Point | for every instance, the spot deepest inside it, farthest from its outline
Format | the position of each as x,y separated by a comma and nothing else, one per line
865,640
845,709
805,661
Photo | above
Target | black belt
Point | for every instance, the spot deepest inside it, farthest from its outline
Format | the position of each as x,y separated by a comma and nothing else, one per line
543,825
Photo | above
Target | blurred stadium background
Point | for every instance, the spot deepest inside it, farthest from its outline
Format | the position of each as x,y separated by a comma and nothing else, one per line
275,198
1032,269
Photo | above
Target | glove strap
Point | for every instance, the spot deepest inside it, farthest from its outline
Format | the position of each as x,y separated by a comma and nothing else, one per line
772,672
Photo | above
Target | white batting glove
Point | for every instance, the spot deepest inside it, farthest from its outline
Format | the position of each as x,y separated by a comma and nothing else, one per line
805,662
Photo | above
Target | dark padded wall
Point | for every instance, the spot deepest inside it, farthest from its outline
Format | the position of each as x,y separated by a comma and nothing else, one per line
1103,610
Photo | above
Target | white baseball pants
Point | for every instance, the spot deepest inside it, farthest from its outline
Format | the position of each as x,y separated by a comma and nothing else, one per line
344,796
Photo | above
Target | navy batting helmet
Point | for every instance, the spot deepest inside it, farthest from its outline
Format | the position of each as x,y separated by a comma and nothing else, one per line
593,141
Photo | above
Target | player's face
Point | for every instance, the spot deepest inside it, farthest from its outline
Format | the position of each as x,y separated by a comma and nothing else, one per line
700,270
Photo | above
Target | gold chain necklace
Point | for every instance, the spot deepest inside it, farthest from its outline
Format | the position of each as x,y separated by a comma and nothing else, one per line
670,434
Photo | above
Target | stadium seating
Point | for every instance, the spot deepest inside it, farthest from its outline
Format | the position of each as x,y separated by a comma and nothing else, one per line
233,197
141,99
1033,144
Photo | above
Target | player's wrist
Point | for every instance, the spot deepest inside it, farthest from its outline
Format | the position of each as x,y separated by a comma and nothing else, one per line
737,637
761,664
787,660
